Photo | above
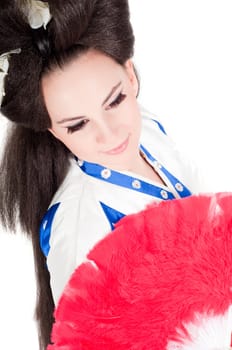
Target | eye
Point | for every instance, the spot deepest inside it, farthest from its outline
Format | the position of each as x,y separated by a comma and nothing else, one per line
117,101
78,126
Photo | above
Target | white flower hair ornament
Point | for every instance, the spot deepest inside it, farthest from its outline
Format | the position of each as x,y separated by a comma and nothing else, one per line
4,66
38,14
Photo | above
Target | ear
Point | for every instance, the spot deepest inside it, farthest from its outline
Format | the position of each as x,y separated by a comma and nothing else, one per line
130,70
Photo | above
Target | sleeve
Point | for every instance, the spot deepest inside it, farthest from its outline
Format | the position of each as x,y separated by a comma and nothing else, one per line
76,226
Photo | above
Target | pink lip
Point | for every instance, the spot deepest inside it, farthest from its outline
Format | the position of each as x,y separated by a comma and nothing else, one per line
119,149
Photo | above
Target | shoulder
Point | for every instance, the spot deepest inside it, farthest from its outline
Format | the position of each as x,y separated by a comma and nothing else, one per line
74,210
154,136
72,186
64,209
166,151
151,121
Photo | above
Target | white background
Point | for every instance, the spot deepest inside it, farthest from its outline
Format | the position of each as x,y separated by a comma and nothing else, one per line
184,58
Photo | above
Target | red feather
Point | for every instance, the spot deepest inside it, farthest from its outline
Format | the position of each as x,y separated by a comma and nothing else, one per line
150,277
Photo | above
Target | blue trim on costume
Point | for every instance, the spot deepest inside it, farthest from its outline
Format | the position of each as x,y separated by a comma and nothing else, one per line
184,192
116,178
147,154
160,126
119,179
45,228
112,215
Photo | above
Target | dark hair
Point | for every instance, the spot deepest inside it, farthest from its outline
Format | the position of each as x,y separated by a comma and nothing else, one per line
34,163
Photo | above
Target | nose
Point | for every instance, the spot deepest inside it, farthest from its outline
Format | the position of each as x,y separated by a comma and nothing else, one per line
105,133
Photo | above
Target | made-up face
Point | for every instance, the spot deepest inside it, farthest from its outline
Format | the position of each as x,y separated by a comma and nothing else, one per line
93,109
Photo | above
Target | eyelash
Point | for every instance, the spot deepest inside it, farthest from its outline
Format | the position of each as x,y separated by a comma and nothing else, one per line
117,101
77,127
71,129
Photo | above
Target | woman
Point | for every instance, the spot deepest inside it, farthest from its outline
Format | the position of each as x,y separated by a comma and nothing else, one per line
81,153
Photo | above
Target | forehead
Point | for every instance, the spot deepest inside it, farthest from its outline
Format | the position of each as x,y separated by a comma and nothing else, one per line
91,75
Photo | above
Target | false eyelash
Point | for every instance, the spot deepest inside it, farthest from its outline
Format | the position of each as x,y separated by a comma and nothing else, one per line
81,124
118,100
77,126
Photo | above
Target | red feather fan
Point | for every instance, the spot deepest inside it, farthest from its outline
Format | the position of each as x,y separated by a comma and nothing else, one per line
161,280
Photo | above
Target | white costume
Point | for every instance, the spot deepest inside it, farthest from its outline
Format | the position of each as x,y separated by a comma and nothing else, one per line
92,198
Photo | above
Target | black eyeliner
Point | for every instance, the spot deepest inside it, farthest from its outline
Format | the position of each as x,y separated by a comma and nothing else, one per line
76,127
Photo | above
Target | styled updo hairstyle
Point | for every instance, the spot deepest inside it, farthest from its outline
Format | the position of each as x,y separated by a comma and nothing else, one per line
34,163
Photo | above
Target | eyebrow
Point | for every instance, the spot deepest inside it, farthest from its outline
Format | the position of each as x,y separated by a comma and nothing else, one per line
104,102
111,92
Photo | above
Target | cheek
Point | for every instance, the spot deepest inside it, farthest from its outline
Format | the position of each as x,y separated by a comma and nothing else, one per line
130,108
81,146
132,114
70,141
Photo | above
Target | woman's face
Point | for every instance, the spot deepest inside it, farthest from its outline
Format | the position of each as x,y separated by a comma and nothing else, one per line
93,109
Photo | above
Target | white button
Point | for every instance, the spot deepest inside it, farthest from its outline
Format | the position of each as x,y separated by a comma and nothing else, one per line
136,184
105,173
164,194
179,187
157,165
80,162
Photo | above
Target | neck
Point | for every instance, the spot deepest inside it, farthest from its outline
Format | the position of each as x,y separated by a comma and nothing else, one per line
143,168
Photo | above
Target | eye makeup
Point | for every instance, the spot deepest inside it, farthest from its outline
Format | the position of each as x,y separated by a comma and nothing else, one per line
117,101
81,124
